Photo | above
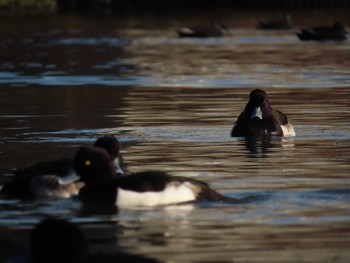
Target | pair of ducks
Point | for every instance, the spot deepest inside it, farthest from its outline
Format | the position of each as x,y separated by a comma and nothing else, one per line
96,173
336,31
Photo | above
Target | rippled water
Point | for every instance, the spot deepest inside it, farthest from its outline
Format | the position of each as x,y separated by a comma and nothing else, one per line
172,103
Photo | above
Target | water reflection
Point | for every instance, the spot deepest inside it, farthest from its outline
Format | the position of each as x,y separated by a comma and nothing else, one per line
154,57
261,147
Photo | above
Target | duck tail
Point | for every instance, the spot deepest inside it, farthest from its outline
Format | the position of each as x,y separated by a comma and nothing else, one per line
205,193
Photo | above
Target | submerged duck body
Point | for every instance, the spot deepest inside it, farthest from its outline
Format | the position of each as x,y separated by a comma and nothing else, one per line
44,179
149,188
259,119
335,32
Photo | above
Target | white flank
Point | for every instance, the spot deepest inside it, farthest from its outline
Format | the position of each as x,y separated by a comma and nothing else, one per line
172,194
288,130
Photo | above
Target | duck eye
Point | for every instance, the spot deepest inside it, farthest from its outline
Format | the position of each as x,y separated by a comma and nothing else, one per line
87,163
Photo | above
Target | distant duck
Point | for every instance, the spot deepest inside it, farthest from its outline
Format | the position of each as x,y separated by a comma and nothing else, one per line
215,29
259,119
335,32
285,23
45,179
59,241
150,188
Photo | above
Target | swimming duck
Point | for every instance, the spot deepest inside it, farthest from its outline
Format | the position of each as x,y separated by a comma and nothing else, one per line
56,240
216,29
335,32
150,188
285,23
259,119
45,179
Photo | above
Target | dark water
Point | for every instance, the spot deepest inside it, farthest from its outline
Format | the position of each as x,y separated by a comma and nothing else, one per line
171,102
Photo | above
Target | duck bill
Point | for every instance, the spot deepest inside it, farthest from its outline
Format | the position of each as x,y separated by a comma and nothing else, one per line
69,178
257,113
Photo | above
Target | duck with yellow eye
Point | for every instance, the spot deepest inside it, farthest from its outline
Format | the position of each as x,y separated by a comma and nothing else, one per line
149,188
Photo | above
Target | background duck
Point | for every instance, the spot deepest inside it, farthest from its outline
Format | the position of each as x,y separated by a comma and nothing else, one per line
334,32
215,29
45,179
285,23
150,188
259,119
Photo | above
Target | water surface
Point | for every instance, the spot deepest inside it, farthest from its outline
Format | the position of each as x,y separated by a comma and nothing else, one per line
172,103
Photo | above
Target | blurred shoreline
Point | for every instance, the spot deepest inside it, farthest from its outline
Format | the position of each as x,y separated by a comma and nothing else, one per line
136,6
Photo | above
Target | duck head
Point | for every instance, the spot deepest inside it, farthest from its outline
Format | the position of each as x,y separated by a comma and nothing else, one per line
258,105
94,166
111,145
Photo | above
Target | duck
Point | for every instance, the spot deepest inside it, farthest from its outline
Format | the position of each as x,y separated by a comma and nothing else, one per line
56,178
57,240
260,119
285,23
146,188
334,32
215,29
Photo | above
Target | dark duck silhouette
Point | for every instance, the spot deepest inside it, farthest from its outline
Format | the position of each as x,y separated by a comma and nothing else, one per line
259,119
150,188
334,32
285,23
45,179
57,241
215,29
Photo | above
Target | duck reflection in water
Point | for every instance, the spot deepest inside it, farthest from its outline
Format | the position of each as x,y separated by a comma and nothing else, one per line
260,147
57,241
